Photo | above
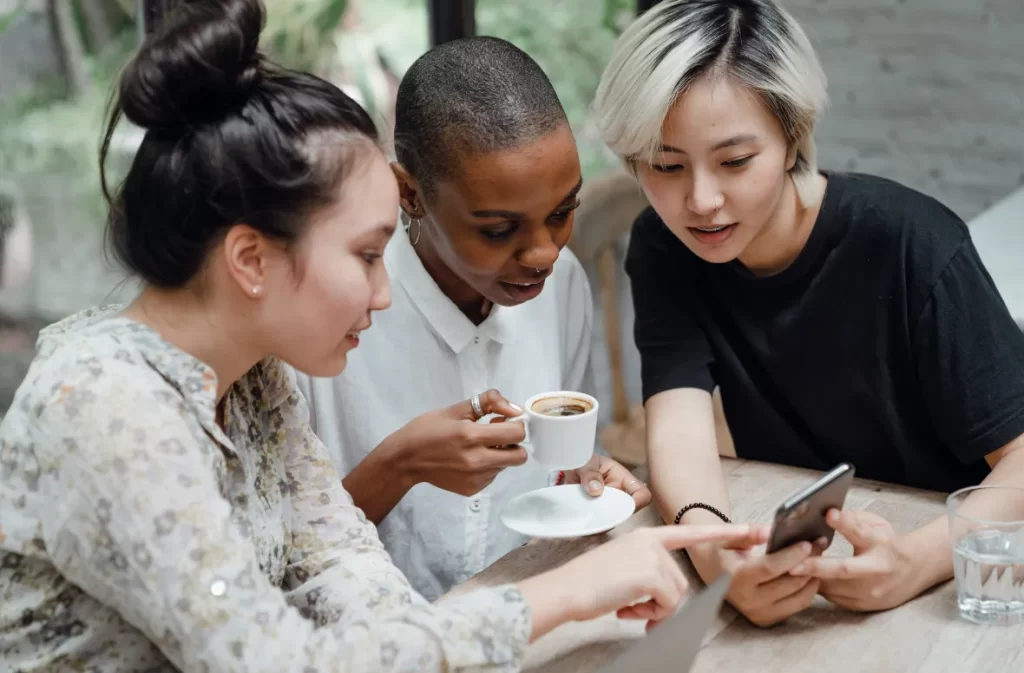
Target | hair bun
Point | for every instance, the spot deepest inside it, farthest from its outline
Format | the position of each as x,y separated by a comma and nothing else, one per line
197,67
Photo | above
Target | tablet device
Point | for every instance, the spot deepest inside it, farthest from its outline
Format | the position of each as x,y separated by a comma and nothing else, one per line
673,645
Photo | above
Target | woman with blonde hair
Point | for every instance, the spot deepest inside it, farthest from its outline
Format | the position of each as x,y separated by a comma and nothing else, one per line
844,317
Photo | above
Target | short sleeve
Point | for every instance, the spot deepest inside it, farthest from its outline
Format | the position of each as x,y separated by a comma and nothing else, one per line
674,351
969,354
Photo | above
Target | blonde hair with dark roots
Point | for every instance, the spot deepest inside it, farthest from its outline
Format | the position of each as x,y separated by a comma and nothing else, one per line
755,42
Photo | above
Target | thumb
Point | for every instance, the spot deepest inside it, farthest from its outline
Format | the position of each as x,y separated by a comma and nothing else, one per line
591,477
849,525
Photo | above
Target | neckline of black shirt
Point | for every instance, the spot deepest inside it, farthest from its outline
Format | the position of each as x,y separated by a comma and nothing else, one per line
826,230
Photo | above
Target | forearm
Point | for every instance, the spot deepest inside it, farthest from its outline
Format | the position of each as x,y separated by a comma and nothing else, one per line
379,482
680,477
551,602
929,547
684,465
685,477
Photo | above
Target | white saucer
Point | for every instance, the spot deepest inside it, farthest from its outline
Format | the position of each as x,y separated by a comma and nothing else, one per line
566,511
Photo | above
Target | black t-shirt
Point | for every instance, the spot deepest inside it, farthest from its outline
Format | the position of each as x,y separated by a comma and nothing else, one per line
884,344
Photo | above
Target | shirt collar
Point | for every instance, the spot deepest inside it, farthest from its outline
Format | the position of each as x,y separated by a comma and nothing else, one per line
440,312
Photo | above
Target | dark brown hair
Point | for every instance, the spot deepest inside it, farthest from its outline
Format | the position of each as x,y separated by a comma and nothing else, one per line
230,138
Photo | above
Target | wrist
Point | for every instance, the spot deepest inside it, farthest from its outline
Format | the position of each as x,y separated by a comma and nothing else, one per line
398,459
927,555
709,560
551,600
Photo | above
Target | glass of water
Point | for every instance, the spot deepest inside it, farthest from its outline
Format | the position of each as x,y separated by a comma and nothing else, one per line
988,553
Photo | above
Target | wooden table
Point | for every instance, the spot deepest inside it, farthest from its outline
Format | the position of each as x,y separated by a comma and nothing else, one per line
925,635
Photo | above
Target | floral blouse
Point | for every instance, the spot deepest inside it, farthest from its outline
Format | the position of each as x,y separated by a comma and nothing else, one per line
138,536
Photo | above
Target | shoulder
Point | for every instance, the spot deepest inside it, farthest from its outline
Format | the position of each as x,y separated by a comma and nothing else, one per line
881,207
897,226
96,392
653,247
651,234
568,265
648,225
570,279
100,359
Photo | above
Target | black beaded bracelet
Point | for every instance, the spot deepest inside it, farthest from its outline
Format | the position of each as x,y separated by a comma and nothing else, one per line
700,505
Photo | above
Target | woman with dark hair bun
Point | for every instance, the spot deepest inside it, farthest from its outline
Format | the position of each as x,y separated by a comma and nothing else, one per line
163,503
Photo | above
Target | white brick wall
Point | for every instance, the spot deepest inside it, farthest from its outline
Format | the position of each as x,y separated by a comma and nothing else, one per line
927,92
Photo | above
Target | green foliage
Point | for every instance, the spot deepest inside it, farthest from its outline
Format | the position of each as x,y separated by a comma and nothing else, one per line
41,135
572,42
571,39
300,33
7,18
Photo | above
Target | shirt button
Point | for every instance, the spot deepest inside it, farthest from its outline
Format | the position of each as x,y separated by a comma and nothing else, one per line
476,340
218,588
474,506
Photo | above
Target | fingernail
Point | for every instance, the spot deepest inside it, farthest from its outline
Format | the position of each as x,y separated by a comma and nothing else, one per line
515,406
799,570
594,485
805,547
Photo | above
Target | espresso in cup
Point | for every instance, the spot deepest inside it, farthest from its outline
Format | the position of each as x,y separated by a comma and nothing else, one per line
561,406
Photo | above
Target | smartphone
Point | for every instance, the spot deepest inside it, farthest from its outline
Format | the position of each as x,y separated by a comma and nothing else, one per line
801,518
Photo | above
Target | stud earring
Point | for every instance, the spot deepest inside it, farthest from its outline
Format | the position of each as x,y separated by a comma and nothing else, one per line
256,289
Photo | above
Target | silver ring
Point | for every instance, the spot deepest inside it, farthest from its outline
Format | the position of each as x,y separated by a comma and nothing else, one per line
477,409
630,483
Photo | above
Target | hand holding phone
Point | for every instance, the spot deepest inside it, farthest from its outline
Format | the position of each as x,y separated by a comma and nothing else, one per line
801,518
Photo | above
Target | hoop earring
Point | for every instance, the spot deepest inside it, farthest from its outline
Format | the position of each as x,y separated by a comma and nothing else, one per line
419,230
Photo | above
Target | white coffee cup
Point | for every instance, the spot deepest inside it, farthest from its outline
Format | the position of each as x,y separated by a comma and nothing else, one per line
560,442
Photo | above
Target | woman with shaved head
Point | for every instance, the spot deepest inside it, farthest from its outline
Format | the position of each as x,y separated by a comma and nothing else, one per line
485,298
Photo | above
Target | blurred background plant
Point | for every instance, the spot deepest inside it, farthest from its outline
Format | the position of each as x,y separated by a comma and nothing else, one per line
59,61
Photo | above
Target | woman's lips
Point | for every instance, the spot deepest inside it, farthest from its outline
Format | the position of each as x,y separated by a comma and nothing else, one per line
523,290
714,234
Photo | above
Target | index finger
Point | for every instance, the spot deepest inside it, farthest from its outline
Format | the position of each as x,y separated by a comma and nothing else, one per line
677,537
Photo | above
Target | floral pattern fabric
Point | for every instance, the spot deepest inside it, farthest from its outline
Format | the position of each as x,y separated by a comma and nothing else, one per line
137,535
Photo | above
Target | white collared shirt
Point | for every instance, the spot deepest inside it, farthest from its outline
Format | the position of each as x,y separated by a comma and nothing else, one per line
423,354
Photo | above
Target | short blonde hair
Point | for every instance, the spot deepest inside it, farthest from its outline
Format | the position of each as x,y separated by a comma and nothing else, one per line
663,52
